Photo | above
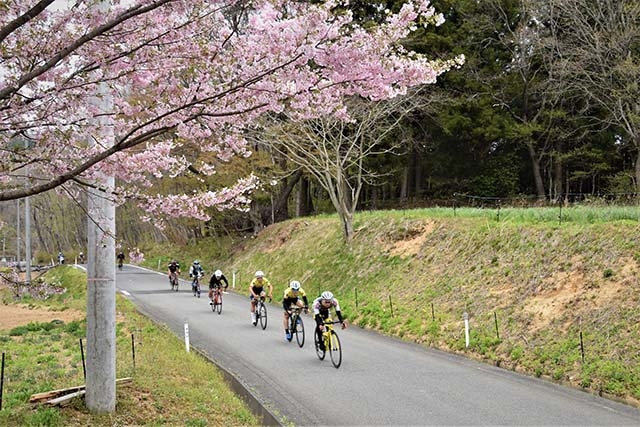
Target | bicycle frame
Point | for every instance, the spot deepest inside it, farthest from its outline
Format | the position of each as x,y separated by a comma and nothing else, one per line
195,285
296,325
261,311
173,280
331,343
216,295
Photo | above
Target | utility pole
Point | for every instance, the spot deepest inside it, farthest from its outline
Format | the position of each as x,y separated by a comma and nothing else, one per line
27,239
101,266
27,228
18,233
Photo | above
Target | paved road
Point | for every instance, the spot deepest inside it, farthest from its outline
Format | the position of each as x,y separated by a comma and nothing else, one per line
382,381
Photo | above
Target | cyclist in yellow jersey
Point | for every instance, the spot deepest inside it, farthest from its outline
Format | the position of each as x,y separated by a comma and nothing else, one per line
321,310
292,296
256,290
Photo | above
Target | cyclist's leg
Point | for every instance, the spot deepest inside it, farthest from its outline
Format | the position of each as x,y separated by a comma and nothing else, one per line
285,319
319,338
321,345
253,309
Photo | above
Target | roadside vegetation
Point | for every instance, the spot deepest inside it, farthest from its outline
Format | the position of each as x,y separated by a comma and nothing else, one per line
169,386
553,293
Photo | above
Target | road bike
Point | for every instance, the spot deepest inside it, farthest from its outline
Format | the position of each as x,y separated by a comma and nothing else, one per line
331,343
217,300
296,325
173,281
261,312
195,285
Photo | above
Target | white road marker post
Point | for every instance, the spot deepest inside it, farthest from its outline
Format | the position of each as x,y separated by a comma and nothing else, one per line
186,335
465,316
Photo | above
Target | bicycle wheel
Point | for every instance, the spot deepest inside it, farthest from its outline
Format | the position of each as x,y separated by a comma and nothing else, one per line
219,305
263,315
335,350
319,353
298,327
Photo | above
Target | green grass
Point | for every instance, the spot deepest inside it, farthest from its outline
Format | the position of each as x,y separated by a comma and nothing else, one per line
543,274
45,356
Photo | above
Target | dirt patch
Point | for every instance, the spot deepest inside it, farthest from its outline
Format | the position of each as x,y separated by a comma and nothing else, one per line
12,316
413,242
575,289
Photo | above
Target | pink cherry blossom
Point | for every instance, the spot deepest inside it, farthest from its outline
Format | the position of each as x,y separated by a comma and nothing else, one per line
181,72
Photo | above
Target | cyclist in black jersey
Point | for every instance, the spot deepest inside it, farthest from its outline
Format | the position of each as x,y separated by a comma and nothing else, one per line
120,258
173,269
216,282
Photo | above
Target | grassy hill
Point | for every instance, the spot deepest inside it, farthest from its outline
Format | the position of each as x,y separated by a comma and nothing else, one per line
549,292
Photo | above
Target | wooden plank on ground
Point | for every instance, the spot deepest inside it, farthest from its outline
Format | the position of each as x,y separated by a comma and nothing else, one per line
66,399
47,395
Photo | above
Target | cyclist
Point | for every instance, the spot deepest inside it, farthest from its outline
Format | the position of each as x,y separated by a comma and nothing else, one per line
60,258
173,270
120,258
216,283
292,296
256,289
81,257
321,307
196,272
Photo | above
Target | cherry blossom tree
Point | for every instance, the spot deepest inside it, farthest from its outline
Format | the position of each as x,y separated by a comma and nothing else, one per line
107,98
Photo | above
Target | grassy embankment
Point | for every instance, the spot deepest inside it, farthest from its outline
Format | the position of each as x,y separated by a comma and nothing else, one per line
549,292
170,386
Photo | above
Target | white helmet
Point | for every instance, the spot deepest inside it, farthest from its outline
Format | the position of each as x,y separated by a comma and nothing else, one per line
218,274
294,285
327,295
259,274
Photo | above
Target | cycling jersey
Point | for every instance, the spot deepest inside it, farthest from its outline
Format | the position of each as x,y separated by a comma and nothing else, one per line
174,267
291,298
214,282
320,312
196,271
257,286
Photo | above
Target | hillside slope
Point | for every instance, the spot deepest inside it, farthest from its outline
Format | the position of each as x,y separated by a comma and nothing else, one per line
558,301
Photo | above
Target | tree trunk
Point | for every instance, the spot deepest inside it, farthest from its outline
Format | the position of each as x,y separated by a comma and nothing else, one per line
637,166
281,202
557,178
404,188
537,176
304,201
417,175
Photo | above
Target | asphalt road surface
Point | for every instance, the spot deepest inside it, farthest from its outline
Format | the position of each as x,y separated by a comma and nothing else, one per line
382,381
